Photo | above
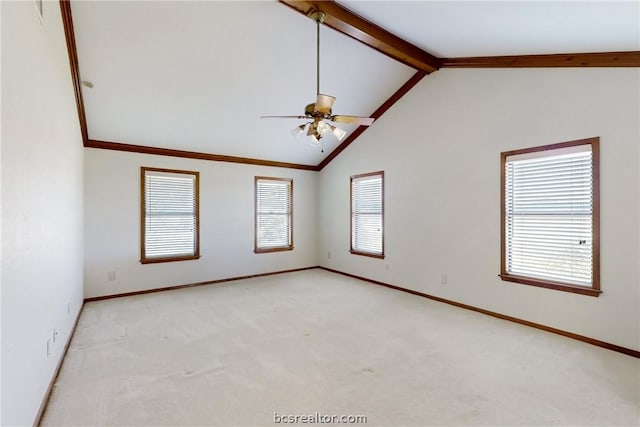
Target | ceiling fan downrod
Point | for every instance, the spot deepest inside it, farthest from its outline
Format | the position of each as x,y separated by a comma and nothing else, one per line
318,17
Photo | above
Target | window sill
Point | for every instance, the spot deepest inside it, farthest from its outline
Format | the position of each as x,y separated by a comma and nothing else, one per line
169,259
369,254
268,250
564,287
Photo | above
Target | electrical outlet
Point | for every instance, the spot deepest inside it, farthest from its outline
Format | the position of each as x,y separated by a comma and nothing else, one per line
443,279
48,348
329,255
111,276
387,266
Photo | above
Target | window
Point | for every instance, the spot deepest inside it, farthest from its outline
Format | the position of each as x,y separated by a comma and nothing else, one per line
367,214
274,214
170,223
550,216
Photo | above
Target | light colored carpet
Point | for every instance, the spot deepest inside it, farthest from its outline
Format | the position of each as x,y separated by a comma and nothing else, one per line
234,354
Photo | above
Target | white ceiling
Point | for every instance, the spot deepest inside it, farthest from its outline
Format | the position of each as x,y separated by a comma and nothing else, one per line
197,76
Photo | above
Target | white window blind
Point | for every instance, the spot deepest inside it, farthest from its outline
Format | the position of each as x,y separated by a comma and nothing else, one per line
274,210
367,213
170,214
549,215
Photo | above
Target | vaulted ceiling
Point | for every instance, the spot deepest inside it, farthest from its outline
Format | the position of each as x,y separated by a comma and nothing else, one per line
195,77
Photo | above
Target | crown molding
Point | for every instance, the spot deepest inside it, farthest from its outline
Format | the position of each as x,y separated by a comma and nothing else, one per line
67,23
376,115
143,149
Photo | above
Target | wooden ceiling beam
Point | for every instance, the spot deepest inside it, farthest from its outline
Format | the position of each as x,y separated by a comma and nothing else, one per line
599,59
358,28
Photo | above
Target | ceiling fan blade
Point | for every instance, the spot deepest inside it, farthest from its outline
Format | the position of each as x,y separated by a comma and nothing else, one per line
284,117
324,103
362,121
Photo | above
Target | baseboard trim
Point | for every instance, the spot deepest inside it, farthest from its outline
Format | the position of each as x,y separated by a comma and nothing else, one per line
592,341
190,285
54,378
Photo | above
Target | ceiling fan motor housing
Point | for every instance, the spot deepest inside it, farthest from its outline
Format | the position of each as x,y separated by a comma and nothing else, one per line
310,110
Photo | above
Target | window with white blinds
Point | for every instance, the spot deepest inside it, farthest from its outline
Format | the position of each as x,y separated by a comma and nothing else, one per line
367,214
273,214
169,215
550,214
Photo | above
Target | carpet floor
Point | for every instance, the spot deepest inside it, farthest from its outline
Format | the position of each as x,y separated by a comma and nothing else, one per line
259,352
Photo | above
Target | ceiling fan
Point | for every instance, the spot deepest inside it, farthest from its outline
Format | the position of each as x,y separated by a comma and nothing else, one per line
319,112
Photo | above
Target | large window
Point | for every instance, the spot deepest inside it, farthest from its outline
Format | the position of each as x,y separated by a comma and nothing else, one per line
274,214
367,214
170,221
550,216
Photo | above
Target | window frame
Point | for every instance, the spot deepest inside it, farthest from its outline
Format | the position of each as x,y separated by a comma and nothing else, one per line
594,289
353,250
143,258
288,247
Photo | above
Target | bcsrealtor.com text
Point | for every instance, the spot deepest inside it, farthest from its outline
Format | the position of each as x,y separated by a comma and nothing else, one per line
318,418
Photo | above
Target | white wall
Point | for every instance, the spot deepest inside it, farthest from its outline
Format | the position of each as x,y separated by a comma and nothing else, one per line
42,242
112,223
440,150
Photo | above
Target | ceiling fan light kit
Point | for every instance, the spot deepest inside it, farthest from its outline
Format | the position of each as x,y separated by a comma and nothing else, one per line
320,112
